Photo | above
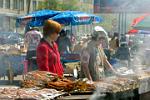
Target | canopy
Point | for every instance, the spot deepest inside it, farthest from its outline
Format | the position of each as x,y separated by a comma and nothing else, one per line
76,18
36,18
142,22
132,32
135,31
144,32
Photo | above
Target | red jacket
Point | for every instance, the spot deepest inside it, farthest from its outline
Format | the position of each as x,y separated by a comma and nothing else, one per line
48,58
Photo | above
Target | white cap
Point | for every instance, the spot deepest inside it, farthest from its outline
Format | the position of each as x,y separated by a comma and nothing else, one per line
98,28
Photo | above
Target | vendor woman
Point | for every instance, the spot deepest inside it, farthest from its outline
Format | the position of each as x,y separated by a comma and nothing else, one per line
48,57
93,59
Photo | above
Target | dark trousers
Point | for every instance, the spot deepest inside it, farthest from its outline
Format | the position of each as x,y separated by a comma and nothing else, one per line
31,57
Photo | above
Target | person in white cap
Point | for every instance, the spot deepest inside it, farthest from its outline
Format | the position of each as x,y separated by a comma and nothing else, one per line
102,33
93,59
32,39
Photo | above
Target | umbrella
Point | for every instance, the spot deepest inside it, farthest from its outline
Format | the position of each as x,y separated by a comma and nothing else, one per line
76,18
144,32
132,32
142,23
36,18
135,31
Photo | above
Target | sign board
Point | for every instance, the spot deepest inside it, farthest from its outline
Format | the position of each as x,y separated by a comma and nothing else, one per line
116,6
83,18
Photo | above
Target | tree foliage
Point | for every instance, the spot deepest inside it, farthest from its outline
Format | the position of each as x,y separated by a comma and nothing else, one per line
59,5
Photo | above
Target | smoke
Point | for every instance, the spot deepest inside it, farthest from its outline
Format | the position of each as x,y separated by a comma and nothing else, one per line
140,61
141,57
131,5
98,95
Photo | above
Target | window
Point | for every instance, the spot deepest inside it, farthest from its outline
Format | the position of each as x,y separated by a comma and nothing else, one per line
1,3
34,3
90,10
21,5
27,2
7,4
16,4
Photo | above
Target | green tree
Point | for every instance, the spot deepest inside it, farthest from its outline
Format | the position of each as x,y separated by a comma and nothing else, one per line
69,5
48,4
59,5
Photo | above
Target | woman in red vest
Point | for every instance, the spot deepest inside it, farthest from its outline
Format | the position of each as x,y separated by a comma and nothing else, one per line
48,57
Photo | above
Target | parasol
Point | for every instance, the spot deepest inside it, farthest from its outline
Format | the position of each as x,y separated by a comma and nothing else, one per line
76,18
135,31
36,18
142,22
132,31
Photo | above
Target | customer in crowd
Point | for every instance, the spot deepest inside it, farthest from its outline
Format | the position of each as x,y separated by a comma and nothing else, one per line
78,47
123,54
93,59
114,42
64,43
32,39
48,57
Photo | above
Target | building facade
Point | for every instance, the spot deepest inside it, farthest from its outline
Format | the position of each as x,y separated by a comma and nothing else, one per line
10,9
117,6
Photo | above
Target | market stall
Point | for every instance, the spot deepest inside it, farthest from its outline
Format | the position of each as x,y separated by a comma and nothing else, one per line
36,19
39,84
11,60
